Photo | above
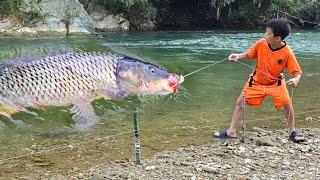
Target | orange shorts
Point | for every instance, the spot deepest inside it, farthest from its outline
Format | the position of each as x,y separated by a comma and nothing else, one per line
256,94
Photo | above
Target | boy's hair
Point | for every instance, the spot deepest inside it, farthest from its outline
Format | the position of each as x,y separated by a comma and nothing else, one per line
280,27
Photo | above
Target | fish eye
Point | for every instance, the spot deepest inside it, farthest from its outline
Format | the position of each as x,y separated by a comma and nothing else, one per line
152,69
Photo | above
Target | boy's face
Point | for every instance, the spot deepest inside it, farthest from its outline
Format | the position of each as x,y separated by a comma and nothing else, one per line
269,35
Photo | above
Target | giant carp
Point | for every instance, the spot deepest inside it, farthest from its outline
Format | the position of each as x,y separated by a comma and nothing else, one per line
78,78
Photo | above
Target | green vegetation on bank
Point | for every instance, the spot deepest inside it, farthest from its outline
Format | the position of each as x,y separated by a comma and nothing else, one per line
235,13
198,13
215,13
255,12
138,12
9,7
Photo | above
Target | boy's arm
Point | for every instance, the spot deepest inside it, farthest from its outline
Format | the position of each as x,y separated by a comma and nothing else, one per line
293,82
236,57
294,69
249,54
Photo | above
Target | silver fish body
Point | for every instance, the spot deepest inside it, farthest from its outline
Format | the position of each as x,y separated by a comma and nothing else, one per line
77,78
58,80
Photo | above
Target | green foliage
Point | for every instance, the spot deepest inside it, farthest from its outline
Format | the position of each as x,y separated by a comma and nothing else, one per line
309,10
146,9
314,8
35,12
120,5
253,13
232,13
220,3
129,3
285,5
137,11
141,13
9,7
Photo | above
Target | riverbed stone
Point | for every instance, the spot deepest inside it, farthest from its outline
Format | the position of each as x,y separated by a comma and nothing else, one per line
251,161
265,141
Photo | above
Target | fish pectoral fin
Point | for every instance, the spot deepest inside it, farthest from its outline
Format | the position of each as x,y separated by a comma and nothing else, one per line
7,111
6,114
27,111
84,115
115,94
7,108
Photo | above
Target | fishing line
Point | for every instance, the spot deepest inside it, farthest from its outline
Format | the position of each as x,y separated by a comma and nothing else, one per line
243,126
96,139
204,67
258,70
292,89
182,79
262,119
47,151
79,143
184,76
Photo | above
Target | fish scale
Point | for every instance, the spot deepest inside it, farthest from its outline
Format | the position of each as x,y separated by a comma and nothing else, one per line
58,78
78,78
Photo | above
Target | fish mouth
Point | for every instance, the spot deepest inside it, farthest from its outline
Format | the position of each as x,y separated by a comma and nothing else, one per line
175,81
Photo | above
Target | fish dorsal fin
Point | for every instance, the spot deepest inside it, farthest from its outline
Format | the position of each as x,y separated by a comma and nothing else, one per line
83,114
55,53
28,59
19,61
23,60
132,56
125,51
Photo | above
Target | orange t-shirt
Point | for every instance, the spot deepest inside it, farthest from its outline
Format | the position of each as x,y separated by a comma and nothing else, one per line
270,64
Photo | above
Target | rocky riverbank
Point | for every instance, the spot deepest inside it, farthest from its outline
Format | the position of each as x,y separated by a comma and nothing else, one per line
60,17
264,155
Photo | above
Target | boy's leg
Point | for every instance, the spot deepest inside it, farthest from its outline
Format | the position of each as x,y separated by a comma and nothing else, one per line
281,97
289,114
236,118
293,134
253,96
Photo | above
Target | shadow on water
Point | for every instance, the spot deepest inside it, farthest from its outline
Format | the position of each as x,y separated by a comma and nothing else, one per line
204,103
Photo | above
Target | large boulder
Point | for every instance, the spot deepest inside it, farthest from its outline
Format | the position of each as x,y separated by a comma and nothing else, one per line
107,23
5,24
49,17
79,20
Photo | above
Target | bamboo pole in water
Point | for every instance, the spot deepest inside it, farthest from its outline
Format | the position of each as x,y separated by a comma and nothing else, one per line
137,145
243,96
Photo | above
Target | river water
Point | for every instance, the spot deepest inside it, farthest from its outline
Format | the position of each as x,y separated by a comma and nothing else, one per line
204,103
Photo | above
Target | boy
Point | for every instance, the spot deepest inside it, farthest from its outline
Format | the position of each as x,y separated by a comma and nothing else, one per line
273,56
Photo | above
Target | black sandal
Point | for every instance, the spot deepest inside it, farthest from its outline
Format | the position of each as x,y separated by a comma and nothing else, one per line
296,136
223,135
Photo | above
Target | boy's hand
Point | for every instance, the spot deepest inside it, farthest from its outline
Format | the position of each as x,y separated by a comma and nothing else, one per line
293,82
234,57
